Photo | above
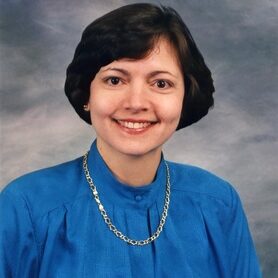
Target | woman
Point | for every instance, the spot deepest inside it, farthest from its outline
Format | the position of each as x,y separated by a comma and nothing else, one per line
122,210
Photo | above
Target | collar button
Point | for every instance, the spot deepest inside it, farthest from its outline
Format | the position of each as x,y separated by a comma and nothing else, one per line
138,198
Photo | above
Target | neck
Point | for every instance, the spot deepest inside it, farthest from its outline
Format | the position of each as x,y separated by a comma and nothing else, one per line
134,170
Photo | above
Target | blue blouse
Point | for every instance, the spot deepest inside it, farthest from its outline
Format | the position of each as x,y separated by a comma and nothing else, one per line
51,226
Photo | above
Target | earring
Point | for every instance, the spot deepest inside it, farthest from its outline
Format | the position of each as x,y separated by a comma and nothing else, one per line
86,107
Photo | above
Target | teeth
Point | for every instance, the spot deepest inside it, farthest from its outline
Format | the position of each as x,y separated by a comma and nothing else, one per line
133,125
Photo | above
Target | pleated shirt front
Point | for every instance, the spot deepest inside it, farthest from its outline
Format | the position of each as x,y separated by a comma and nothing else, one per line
51,225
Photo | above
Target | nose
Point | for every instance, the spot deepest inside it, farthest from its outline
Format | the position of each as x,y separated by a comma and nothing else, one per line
137,98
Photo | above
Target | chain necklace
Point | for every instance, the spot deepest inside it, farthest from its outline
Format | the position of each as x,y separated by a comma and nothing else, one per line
107,219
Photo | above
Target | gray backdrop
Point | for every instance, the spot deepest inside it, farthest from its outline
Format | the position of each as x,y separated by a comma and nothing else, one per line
237,140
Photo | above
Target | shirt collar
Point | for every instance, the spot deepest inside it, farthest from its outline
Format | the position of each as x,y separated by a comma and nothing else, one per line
112,191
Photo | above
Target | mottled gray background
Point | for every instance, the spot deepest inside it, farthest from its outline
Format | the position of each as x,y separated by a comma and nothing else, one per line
238,139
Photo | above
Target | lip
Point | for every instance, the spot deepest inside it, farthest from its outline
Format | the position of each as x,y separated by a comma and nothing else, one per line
134,126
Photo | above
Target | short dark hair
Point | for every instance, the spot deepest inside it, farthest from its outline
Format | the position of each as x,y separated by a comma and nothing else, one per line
131,32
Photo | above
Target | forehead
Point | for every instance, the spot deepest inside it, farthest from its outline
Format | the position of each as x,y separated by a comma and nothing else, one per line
162,56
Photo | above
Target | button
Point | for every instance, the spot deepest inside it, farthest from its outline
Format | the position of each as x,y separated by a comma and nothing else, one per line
138,198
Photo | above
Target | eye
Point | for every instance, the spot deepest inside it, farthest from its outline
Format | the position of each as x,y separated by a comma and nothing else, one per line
113,80
162,84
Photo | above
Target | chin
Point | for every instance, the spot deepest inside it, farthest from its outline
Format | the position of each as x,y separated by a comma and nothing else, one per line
139,151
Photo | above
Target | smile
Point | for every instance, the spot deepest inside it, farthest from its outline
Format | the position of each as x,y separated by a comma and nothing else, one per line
134,125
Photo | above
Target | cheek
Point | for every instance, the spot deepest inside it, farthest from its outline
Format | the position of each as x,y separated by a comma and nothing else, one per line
171,110
101,107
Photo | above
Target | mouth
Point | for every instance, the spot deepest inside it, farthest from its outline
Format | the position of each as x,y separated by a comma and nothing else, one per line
135,125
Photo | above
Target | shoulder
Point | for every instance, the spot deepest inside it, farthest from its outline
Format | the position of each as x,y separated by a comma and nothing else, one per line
201,183
47,188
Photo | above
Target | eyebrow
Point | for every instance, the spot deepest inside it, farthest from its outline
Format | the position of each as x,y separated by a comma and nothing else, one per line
156,72
125,72
151,74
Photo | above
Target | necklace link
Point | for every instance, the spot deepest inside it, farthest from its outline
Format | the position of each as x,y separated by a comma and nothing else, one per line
107,219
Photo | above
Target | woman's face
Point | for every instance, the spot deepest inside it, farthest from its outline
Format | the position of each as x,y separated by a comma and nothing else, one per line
135,105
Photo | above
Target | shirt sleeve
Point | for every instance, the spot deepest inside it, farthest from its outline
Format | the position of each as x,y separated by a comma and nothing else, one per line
244,262
18,248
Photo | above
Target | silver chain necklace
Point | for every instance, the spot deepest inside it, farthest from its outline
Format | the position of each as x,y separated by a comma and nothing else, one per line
107,219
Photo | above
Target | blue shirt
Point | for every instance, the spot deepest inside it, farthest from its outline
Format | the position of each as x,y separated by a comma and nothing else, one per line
51,225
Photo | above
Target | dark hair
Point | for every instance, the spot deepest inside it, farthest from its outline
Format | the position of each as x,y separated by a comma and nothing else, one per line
131,32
